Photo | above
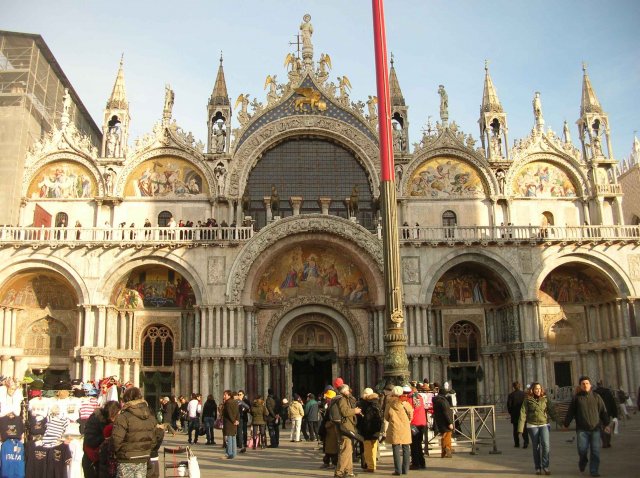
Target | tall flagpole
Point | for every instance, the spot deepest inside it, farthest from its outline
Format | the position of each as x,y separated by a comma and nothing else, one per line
396,363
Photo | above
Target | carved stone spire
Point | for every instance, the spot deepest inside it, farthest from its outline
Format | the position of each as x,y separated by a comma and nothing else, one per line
219,95
490,101
593,123
589,103
399,113
115,126
397,99
219,115
118,97
493,121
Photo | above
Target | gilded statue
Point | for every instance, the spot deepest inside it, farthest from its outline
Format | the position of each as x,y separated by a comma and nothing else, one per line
306,30
311,97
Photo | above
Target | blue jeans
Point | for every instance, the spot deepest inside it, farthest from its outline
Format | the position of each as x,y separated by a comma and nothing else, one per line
401,458
232,449
194,425
588,439
208,426
540,443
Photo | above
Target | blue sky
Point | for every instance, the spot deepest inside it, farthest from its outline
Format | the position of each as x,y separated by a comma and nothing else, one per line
531,46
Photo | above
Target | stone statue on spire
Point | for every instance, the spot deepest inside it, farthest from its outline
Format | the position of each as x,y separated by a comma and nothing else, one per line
306,30
537,111
444,105
169,97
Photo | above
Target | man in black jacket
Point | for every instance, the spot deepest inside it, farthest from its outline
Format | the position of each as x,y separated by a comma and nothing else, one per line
591,416
443,420
514,404
273,420
612,409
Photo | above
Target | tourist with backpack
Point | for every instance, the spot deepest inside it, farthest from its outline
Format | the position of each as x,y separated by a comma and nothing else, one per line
343,413
370,425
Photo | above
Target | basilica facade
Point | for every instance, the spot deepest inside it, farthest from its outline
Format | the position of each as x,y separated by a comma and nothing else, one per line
515,261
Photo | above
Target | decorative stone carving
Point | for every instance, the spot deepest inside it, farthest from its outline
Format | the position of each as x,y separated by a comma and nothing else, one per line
320,301
168,134
314,321
634,266
289,226
215,270
67,139
411,270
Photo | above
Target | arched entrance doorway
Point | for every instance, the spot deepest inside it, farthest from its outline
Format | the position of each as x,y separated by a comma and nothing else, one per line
471,298
311,356
41,317
464,345
578,309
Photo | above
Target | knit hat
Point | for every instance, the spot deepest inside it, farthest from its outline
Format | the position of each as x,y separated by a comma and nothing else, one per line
329,394
397,391
343,387
406,389
285,401
367,391
337,383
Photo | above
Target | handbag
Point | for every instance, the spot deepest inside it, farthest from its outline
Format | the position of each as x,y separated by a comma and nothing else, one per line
218,424
194,467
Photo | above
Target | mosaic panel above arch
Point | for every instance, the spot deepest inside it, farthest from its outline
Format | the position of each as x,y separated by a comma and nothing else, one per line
312,270
446,177
467,284
166,177
37,290
62,180
576,283
152,287
541,179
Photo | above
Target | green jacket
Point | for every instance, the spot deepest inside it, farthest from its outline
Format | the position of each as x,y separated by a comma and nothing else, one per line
536,411
346,405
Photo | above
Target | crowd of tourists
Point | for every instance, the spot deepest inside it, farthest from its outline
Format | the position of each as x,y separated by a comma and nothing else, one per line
121,435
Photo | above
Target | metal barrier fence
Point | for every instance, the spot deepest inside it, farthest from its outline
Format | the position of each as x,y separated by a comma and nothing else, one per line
474,426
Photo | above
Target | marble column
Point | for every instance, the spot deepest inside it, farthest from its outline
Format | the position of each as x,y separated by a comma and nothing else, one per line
217,389
226,375
204,377
324,203
88,327
266,377
102,322
136,372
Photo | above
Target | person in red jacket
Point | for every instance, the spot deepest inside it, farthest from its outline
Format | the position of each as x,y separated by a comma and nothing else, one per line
418,425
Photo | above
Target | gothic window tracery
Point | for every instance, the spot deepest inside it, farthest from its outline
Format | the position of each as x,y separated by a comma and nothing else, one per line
463,342
157,347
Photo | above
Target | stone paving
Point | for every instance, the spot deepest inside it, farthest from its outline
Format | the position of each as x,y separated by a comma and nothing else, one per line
303,459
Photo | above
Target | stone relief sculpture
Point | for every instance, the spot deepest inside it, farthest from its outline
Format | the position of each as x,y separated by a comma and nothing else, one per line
246,202
565,132
537,110
398,137
324,65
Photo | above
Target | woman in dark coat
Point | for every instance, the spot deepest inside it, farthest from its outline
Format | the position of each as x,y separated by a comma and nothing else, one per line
259,414
93,437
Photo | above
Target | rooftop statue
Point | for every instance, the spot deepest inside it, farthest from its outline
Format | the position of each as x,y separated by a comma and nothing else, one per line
444,104
306,30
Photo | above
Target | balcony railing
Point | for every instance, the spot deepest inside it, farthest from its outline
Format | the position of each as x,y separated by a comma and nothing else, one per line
486,234
214,235
126,235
